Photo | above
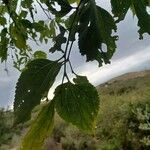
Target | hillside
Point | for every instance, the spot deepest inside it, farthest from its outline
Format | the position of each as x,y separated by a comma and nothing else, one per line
123,122
131,75
127,83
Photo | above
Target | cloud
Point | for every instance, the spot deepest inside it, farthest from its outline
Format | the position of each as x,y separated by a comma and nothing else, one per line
117,67
96,75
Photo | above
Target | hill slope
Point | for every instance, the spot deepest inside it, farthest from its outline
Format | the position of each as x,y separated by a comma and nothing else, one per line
127,83
123,122
132,75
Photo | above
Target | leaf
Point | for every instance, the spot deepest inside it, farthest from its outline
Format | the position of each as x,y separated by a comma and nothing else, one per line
53,28
33,84
40,129
3,44
64,4
2,21
138,7
26,23
95,29
143,17
23,14
78,104
40,54
38,26
73,18
74,1
80,80
59,40
19,38
120,8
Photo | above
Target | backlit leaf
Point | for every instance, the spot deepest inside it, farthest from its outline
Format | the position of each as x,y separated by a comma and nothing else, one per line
143,17
65,7
2,21
33,84
74,1
40,129
40,54
120,8
3,44
80,80
59,40
78,104
95,29
19,38
138,7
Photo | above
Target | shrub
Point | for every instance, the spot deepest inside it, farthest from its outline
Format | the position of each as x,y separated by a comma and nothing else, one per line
124,121
5,126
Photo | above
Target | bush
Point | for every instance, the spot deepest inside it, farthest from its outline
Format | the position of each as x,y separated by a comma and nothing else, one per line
5,126
139,124
124,121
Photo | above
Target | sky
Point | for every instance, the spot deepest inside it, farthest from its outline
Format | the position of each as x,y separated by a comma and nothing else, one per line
131,55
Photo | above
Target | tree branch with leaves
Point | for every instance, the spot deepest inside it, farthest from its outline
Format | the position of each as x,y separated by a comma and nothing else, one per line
65,22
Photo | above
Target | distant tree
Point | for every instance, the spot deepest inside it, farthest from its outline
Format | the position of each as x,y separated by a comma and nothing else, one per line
65,21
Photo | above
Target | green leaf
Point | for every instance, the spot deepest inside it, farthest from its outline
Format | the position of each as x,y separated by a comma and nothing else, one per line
52,29
74,1
2,21
26,23
38,26
27,4
78,104
64,4
59,40
33,85
120,8
40,129
23,14
138,7
80,80
19,38
3,44
95,29
73,18
40,54
143,17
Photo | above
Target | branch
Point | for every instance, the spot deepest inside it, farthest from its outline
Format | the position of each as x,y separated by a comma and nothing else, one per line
44,10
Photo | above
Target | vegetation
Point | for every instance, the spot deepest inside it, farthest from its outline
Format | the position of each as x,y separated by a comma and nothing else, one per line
123,121
5,124
64,22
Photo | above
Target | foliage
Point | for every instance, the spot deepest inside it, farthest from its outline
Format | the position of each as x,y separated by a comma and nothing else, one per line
140,123
70,99
33,85
6,121
126,131
95,29
123,121
127,111
117,127
45,117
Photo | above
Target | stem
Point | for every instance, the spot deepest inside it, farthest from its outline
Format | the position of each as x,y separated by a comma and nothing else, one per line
44,10
65,74
72,68
60,58
71,27
6,69
70,49
66,58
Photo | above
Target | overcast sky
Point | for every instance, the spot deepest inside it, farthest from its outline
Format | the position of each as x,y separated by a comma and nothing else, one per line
132,54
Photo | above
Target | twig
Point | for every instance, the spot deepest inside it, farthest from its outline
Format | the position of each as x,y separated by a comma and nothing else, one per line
44,10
